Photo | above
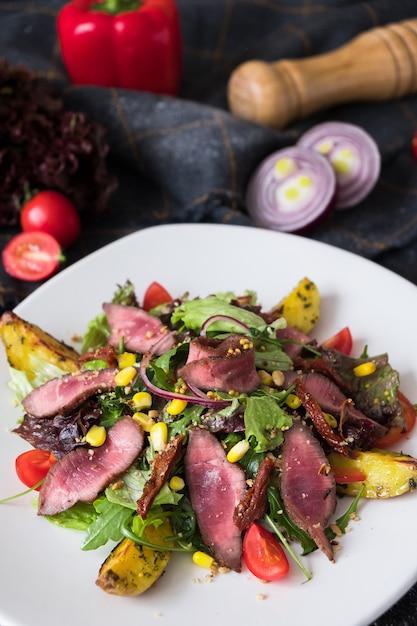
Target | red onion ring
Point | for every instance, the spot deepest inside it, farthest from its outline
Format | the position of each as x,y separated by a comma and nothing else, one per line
291,190
222,318
354,156
196,398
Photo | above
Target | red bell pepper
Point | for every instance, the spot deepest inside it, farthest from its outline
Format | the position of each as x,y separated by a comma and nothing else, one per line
133,44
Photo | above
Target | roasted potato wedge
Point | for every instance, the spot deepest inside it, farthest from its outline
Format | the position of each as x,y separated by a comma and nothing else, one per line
130,569
301,307
22,339
384,473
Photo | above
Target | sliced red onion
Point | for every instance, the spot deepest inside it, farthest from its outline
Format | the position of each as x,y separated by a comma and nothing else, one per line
353,154
222,318
291,190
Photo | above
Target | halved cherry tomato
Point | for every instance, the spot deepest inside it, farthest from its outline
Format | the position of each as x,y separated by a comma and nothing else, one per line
396,433
31,256
263,554
53,213
341,341
32,466
155,295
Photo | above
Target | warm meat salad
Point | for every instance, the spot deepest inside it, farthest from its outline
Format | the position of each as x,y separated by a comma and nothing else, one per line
206,425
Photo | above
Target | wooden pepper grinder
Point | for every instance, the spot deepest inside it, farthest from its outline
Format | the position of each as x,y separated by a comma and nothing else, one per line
380,64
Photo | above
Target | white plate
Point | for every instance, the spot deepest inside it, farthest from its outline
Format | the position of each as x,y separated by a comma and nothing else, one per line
46,578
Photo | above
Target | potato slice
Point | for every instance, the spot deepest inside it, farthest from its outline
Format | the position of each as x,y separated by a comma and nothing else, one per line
130,569
22,339
384,473
301,307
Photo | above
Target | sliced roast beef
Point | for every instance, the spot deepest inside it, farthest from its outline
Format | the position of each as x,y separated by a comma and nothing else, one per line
139,330
80,475
322,366
215,487
293,340
333,401
308,487
221,365
253,506
163,464
62,395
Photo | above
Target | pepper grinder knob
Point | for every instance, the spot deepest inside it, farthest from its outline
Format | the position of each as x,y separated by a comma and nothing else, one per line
379,64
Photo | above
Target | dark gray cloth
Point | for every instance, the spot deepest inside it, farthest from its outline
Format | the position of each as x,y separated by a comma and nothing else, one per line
187,159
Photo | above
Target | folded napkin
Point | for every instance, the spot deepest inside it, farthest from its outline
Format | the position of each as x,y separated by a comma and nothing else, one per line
187,159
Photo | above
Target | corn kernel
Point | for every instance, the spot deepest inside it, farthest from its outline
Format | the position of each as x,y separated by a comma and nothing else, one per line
158,434
265,377
144,420
293,401
125,376
330,419
176,406
278,378
126,359
176,483
364,369
203,560
96,436
142,400
238,451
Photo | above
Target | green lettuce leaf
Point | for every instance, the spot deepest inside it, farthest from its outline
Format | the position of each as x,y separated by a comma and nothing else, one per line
79,517
193,313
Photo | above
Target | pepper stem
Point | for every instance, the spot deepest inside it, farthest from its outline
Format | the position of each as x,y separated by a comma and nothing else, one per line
116,6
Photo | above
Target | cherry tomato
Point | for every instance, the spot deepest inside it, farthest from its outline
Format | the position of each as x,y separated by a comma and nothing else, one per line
51,212
155,295
341,341
32,466
263,554
31,256
396,433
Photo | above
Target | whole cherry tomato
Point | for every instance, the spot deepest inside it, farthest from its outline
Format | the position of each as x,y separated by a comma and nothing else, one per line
51,212
31,256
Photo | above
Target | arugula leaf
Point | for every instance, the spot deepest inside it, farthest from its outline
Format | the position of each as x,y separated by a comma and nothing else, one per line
279,515
265,420
107,525
342,522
